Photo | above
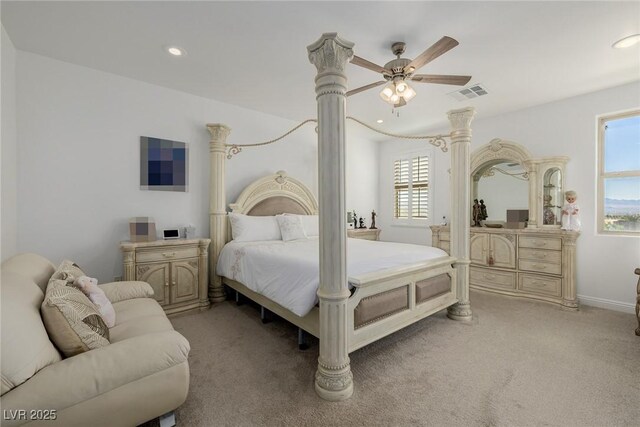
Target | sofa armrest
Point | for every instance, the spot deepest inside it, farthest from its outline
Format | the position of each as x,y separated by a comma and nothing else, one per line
95,372
120,291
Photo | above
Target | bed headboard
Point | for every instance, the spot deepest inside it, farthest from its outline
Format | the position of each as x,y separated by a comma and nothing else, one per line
275,194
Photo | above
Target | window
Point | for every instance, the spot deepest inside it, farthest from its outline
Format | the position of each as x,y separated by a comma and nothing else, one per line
411,187
619,173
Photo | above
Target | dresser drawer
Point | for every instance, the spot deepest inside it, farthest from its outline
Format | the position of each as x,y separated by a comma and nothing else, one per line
492,278
540,285
540,242
168,253
540,266
554,257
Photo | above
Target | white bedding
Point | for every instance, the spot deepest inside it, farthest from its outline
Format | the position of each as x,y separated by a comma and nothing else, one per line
287,272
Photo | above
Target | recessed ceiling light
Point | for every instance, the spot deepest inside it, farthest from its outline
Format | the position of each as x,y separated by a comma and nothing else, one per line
176,51
627,41
379,121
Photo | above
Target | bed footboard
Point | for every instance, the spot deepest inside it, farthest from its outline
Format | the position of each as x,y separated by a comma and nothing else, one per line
381,303
386,302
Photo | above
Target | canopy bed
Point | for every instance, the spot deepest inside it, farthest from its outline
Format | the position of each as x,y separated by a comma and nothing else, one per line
369,304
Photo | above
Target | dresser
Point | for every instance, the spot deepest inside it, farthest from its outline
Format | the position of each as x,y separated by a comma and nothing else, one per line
177,270
364,233
531,262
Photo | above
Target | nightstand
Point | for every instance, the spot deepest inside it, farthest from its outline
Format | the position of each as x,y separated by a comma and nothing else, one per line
177,270
364,233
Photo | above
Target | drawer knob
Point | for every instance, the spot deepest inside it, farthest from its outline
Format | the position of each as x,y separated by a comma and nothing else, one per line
539,243
489,276
540,266
166,284
168,254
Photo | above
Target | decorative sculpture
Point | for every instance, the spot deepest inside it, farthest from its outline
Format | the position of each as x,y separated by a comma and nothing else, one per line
362,223
476,213
373,220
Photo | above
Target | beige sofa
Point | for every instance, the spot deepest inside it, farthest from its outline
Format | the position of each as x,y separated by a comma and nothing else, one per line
141,375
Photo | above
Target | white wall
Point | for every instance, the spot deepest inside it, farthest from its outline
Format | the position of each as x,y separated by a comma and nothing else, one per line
418,232
9,223
78,175
567,128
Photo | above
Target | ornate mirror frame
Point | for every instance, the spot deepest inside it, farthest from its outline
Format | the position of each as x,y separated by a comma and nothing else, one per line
500,150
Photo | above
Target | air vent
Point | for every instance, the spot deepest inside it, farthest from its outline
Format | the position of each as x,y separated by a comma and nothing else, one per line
469,92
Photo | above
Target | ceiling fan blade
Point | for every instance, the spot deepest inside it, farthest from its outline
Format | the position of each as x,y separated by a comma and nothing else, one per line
369,65
442,79
443,45
363,88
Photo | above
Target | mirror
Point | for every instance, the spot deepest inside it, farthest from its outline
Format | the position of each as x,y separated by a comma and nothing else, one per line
507,177
503,186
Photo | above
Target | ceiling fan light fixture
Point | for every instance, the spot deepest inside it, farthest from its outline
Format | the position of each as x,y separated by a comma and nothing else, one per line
395,98
387,93
409,93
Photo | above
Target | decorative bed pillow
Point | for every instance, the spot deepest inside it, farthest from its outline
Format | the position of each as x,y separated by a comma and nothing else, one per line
68,271
290,227
72,321
310,224
246,228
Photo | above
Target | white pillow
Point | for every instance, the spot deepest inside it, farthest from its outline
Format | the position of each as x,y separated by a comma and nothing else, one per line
310,224
290,227
245,228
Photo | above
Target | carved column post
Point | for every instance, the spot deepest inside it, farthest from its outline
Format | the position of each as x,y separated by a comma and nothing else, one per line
217,206
129,257
203,272
532,169
460,212
330,55
569,290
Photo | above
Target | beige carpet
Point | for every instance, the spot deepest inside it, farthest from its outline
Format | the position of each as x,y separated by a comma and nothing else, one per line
519,363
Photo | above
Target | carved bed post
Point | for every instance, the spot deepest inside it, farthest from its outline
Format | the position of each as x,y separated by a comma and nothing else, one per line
460,208
330,55
217,206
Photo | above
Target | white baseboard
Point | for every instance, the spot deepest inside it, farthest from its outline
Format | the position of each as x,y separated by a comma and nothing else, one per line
608,304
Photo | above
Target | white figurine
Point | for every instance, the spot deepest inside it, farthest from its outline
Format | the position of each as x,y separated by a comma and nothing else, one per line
571,212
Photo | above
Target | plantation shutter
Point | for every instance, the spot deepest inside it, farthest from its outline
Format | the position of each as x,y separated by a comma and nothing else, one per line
411,188
401,186
420,187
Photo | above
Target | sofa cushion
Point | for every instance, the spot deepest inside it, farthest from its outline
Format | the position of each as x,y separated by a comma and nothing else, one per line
72,320
136,317
120,291
26,348
32,266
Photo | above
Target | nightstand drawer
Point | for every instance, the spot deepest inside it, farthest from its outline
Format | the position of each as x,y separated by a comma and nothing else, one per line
166,254
445,235
540,285
492,278
540,266
554,257
540,242
445,246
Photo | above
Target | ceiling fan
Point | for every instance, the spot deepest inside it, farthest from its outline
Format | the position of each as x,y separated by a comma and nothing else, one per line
399,71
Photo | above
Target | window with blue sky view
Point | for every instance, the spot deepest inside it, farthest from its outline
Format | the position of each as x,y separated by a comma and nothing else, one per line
620,173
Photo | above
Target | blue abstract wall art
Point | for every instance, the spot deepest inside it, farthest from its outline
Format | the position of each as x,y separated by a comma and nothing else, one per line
164,165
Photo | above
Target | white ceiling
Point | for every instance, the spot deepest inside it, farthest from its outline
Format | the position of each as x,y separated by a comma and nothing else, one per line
253,54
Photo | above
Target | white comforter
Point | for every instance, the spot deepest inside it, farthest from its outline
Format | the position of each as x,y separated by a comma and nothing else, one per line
287,272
